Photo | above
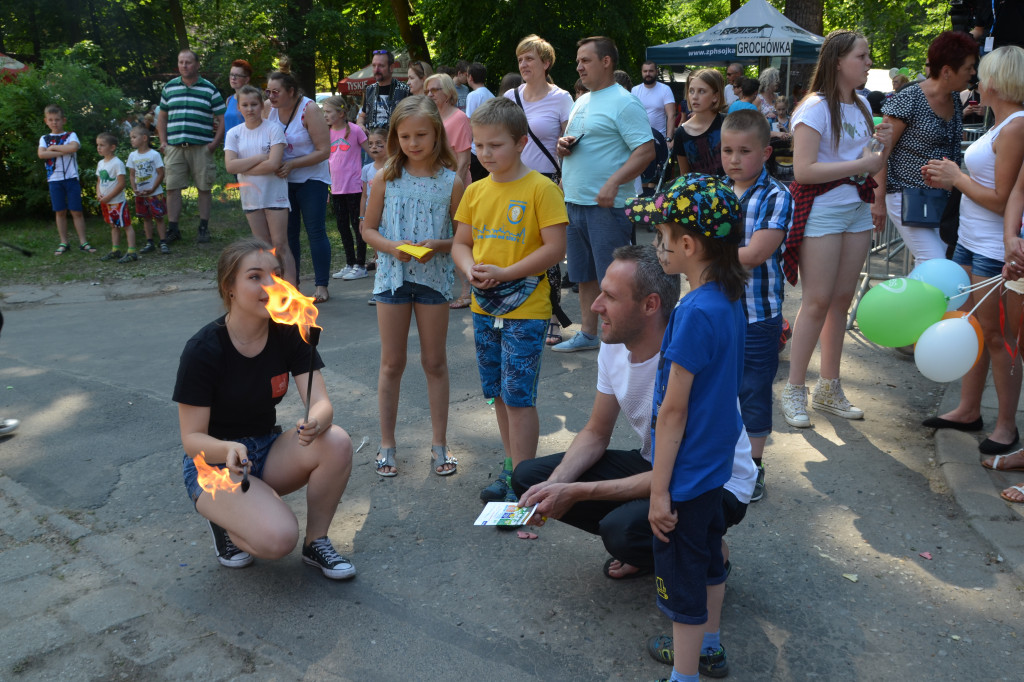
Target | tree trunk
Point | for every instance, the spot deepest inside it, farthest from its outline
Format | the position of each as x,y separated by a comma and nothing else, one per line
178,23
806,14
411,33
301,49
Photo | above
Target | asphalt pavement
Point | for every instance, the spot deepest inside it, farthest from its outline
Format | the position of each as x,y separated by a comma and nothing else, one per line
880,550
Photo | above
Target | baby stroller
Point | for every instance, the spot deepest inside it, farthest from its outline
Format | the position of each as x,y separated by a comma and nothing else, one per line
654,174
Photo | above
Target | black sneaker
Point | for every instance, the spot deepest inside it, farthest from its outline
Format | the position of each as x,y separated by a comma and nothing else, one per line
113,255
173,234
321,553
150,247
164,248
758,485
128,257
204,235
499,490
713,664
227,553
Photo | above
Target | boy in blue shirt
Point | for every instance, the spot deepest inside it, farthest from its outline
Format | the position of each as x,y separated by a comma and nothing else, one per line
767,210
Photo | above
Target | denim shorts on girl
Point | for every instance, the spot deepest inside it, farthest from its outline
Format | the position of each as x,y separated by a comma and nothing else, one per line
826,220
411,292
981,266
509,357
258,448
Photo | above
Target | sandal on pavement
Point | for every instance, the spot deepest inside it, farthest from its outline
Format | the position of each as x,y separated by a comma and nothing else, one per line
87,247
441,458
639,573
993,464
386,458
1018,488
62,248
554,334
459,303
321,298
660,649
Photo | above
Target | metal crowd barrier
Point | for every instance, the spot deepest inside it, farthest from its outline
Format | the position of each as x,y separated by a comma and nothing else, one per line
888,258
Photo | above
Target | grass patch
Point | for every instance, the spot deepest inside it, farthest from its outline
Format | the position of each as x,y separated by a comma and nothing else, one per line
38,234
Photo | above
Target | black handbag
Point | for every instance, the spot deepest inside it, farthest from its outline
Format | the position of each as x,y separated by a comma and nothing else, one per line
923,206
949,224
557,177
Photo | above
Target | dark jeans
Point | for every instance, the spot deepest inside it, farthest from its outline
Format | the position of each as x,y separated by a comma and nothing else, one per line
309,206
346,213
623,526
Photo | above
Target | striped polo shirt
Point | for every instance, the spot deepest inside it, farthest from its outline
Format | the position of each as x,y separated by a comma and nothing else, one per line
191,111
766,205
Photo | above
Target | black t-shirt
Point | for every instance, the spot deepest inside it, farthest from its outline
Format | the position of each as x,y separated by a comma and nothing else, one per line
242,393
1009,21
704,151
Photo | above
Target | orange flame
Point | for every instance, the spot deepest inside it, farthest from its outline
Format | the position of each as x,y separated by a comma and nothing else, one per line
212,479
288,306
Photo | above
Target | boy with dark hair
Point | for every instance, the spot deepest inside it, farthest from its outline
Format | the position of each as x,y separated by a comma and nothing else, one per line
480,94
461,79
59,150
748,93
510,228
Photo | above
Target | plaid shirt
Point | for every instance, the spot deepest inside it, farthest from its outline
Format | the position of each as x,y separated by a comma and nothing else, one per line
803,200
766,205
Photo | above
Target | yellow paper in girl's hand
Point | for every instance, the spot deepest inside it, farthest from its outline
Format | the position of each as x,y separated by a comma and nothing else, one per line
415,251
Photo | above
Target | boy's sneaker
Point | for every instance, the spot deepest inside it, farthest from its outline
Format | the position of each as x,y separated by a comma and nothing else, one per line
150,247
321,553
340,274
713,663
227,553
499,490
113,255
164,248
204,234
128,257
794,406
829,397
758,485
356,272
577,343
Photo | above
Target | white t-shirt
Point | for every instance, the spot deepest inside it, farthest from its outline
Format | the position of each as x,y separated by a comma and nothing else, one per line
546,117
473,100
107,173
813,112
145,167
633,388
60,167
654,100
258,191
730,94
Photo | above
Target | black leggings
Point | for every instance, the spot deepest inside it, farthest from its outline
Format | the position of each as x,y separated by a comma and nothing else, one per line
346,212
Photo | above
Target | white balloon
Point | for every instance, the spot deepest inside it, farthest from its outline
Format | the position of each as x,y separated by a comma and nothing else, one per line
947,350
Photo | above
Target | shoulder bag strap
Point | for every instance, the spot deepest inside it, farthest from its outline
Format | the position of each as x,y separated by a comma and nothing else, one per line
536,141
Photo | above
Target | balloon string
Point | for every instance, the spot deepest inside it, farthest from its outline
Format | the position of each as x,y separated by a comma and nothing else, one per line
995,287
980,285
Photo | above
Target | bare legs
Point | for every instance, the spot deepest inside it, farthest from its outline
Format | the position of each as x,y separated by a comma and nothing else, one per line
272,227
589,292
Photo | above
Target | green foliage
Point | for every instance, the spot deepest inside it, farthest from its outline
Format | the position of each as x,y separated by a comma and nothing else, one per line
91,104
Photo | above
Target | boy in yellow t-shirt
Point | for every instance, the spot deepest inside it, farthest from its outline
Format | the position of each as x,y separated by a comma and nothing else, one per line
510,228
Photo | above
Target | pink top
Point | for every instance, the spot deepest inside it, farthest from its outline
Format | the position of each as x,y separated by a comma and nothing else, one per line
460,135
346,160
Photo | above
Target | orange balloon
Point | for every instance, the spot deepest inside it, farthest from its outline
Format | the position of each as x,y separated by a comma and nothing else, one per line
974,323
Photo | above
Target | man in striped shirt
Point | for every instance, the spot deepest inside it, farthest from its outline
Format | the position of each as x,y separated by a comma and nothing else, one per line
191,127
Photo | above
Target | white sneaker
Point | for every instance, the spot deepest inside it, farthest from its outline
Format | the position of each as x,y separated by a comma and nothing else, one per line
829,397
340,274
355,272
794,406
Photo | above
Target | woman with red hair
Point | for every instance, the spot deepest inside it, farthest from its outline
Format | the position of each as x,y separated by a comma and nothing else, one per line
238,77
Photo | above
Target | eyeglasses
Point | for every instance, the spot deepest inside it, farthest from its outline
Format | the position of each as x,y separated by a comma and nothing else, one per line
431,91
271,93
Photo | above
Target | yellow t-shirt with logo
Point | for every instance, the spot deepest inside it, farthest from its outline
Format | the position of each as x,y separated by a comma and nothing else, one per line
507,218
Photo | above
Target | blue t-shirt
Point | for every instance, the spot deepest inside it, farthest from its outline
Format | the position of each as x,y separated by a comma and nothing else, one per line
705,336
232,116
740,105
615,123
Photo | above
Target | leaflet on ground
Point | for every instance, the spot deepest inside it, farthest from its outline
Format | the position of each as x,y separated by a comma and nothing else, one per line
504,514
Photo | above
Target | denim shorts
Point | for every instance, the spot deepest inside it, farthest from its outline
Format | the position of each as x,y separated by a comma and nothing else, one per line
509,358
258,448
828,220
760,363
692,560
981,266
411,292
65,195
594,232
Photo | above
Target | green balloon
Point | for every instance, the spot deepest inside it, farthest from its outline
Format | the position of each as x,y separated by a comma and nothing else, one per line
896,312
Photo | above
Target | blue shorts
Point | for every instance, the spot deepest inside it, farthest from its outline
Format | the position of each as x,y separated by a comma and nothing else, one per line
509,358
692,559
411,292
981,266
760,363
829,220
65,195
594,232
258,447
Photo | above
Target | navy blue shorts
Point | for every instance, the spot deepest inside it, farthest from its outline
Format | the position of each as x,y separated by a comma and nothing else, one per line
258,447
65,195
692,559
411,292
981,266
760,364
